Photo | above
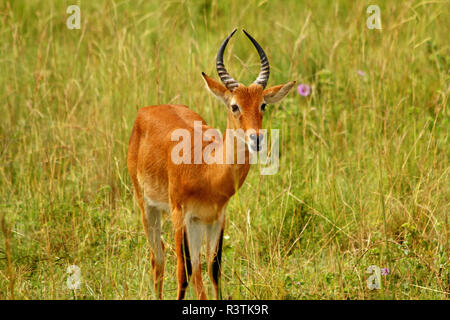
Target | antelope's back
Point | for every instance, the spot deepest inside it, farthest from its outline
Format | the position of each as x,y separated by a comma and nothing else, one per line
150,144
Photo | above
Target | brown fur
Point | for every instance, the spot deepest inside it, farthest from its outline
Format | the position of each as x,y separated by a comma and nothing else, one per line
202,188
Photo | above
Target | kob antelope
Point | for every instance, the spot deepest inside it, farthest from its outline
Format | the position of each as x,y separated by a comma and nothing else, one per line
196,194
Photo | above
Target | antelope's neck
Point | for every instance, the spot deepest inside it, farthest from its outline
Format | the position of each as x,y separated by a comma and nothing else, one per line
236,156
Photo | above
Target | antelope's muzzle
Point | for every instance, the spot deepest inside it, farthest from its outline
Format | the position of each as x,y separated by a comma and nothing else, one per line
256,141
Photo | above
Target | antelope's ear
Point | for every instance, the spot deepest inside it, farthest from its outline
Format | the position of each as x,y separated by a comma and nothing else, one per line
218,89
276,93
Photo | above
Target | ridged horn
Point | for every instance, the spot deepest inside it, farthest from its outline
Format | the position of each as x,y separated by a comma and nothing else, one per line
227,80
265,70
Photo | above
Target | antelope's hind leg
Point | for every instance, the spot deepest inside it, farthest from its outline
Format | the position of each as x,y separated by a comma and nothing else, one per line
152,224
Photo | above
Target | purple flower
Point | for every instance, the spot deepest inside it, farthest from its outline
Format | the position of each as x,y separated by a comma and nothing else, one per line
384,271
304,90
361,73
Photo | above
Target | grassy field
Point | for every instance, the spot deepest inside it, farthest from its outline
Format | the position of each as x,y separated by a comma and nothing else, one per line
364,172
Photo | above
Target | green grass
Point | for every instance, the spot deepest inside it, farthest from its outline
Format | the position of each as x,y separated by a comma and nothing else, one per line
364,173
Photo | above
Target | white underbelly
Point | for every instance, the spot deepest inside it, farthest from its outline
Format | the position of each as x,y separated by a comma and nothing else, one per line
162,206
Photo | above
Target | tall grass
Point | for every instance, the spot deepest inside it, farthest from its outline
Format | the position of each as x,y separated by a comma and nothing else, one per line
364,173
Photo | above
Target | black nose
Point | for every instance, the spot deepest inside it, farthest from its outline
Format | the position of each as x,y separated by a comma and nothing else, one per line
257,138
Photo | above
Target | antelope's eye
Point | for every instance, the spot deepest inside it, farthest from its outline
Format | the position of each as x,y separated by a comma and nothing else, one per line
263,107
234,108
